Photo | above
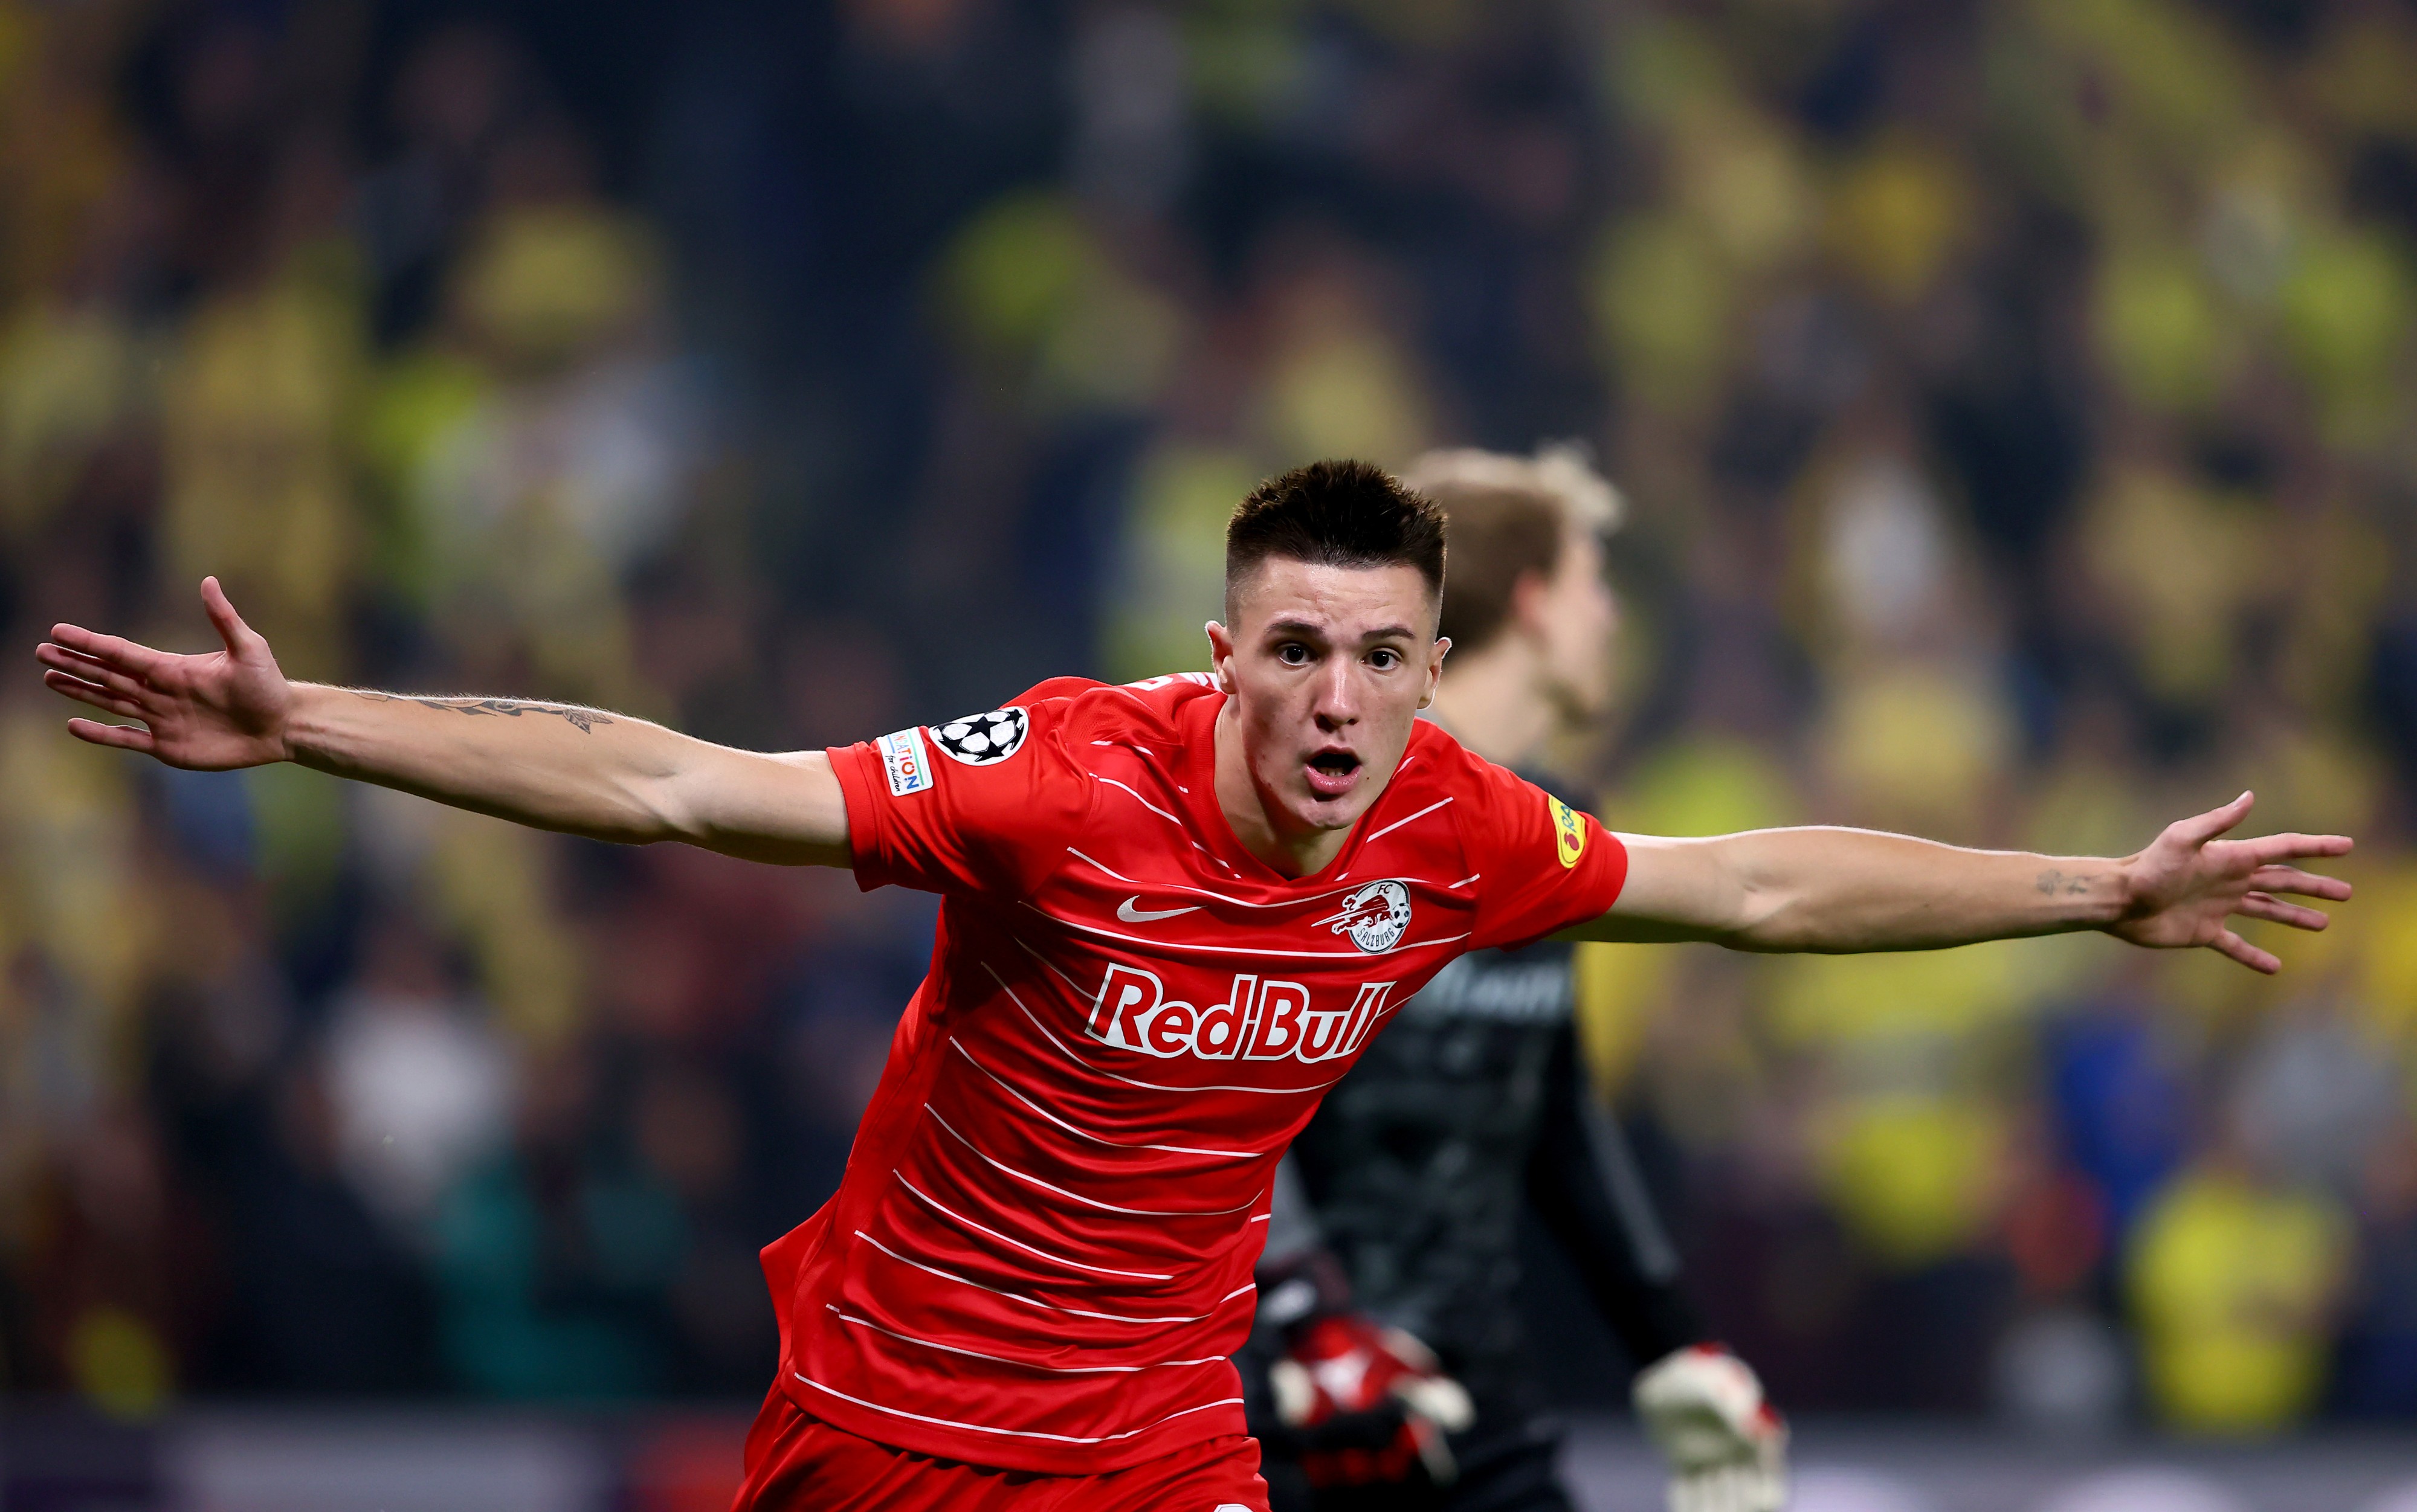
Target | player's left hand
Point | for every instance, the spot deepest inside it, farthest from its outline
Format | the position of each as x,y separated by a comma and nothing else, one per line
1728,1449
2185,887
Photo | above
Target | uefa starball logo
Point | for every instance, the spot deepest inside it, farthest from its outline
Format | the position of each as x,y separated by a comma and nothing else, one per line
1259,1021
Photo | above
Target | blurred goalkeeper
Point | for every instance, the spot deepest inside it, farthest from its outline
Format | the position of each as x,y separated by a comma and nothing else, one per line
1388,1368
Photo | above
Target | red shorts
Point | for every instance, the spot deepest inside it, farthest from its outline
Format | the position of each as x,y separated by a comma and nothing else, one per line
799,1463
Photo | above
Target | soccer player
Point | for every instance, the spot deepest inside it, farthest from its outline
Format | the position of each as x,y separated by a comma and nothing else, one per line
1173,915
1404,1194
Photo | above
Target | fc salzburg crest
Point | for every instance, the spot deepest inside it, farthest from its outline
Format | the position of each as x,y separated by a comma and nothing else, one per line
1374,917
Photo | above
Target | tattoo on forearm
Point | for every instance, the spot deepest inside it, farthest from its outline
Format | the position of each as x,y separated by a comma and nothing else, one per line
586,720
2052,883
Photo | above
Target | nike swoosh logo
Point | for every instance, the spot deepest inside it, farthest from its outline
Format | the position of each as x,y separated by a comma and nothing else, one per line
1130,915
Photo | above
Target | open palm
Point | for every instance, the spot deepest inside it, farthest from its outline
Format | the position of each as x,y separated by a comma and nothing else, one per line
2188,884
208,713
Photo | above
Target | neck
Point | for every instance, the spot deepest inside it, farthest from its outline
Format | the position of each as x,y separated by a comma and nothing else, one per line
1253,818
1493,700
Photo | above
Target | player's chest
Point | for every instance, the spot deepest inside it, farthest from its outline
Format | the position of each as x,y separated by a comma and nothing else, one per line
1179,962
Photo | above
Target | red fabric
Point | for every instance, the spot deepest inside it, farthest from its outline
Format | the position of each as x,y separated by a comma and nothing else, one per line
1040,1255
1352,1363
798,1463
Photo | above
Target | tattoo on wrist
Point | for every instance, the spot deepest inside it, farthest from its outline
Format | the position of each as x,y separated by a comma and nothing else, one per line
2052,883
586,720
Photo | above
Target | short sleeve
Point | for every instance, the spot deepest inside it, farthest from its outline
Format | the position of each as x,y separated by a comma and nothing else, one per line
986,802
1541,864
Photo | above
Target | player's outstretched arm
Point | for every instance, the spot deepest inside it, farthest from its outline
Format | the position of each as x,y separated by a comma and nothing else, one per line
1840,890
553,765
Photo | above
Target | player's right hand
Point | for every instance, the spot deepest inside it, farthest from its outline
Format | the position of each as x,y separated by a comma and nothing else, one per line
208,713
1726,1448
1368,1405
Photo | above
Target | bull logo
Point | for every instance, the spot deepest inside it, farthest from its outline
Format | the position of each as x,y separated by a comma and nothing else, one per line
1375,917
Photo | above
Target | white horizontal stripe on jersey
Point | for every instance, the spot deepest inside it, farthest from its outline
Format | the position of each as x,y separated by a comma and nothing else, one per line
1088,1201
1065,1051
1051,1307
1163,814
1399,823
1010,1090
1223,897
1056,1260
1012,1432
1021,1364
1239,950
1154,756
1463,882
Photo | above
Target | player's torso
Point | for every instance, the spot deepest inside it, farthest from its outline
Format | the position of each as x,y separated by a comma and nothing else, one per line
1110,1064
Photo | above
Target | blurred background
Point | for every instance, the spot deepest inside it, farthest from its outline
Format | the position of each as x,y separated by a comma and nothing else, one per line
2018,402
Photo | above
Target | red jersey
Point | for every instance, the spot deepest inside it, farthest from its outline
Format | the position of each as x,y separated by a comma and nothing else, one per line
1040,1255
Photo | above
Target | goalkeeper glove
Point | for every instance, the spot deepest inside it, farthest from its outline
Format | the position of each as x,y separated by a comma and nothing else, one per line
1726,1448
1366,1403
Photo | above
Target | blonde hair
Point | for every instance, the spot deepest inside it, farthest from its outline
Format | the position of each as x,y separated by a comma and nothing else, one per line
1504,518
1561,471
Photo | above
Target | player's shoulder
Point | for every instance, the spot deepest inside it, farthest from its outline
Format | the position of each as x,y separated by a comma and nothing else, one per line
1066,712
1149,710
1490,802
1434,759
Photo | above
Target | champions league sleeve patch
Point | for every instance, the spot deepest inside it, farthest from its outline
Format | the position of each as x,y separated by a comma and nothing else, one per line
902,758
982,739
1569,831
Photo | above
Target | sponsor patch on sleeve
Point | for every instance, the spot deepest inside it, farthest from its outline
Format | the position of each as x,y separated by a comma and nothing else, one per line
903,759
1569,831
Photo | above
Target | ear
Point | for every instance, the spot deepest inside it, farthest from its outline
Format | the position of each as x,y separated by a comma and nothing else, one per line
1220,656
1435,670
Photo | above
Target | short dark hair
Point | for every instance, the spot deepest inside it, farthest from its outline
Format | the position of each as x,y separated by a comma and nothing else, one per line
1334,513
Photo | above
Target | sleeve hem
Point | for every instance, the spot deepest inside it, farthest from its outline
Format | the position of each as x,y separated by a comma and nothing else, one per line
856,786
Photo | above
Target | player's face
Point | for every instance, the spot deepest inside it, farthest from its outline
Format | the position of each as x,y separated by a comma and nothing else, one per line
1577,617
1328,667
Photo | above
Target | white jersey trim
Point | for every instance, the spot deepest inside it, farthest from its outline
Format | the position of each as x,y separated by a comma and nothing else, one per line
1050,1307
1002,1165
1239,950
1056,1259
1011,1432
1238,902
1397,824
1012,1091
1163,814
1021,1364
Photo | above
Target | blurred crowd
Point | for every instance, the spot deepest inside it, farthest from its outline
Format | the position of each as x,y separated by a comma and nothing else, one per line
2018,405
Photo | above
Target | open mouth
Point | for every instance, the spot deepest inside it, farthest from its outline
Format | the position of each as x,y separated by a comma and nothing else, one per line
1330,773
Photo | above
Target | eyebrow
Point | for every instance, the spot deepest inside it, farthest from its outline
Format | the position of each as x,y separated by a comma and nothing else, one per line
1294,626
